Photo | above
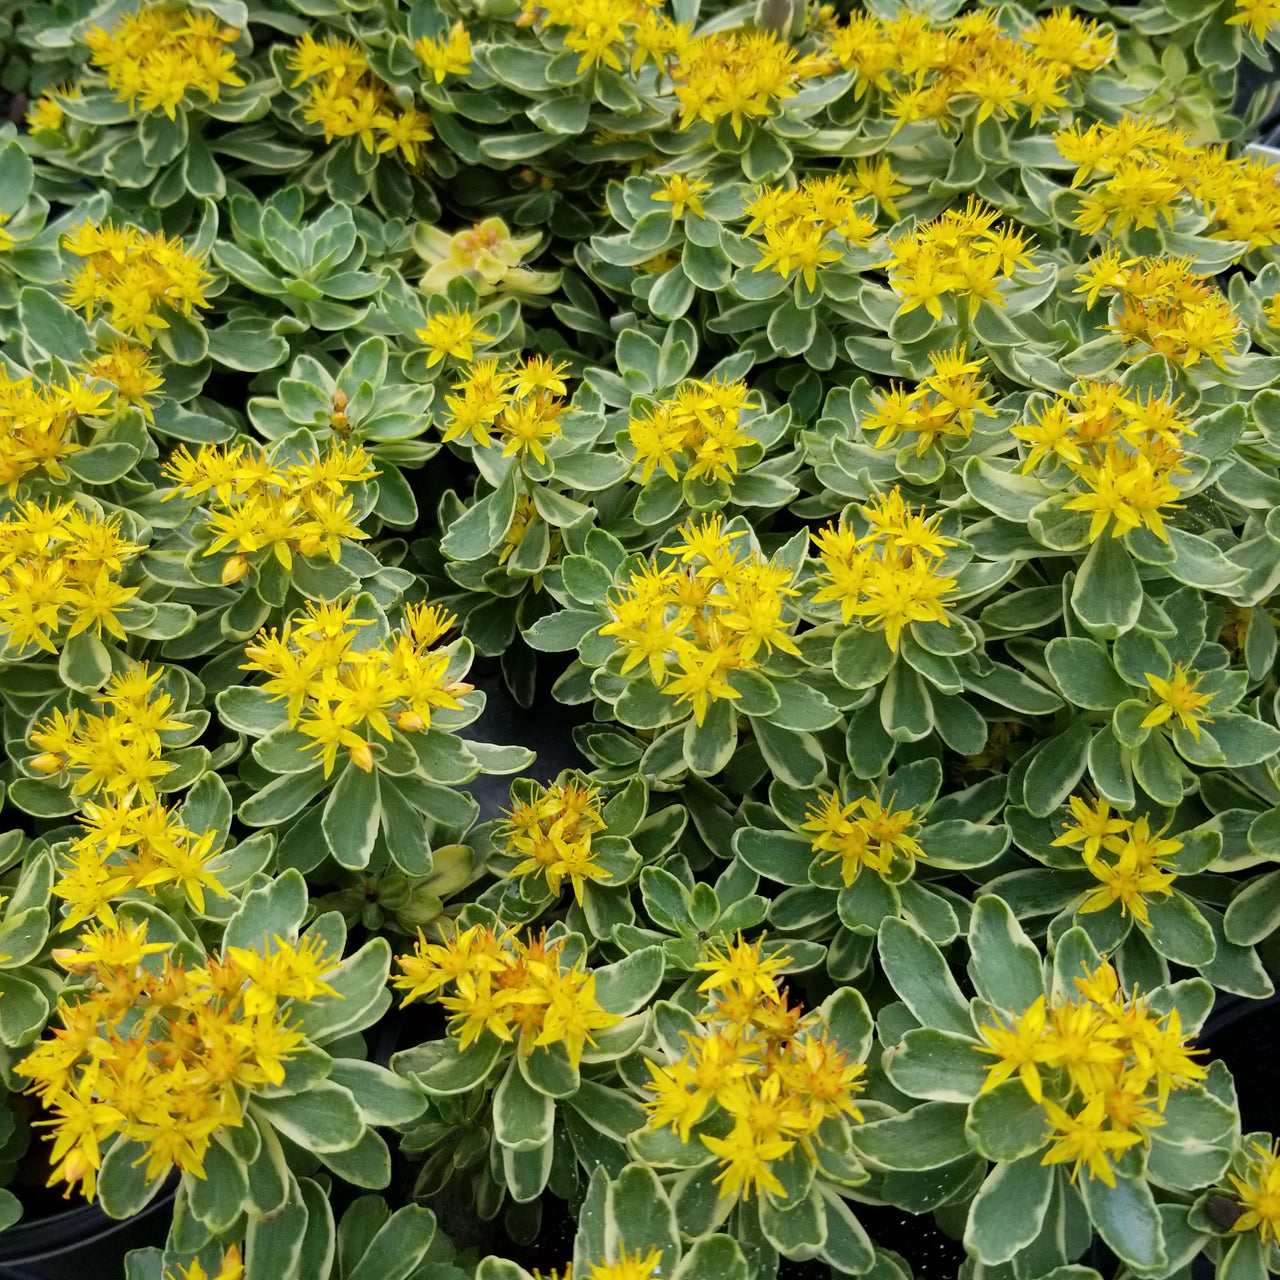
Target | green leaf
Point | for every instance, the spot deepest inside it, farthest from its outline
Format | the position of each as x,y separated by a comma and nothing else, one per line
273,1242
123,1188
324,1118
1003,963
50,326
919,974
1127,1219
563,631
522,1116
1006,1123
85,663
629,983
1007,1213
639,1216
441,1068
382,1097
1107,595
1178,931
351,817
926,1137
781,856
399,1246
939,1066
1084,672
861,658
713,1257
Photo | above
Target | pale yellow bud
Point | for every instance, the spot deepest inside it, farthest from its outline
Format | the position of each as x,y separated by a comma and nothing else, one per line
361,757
235,569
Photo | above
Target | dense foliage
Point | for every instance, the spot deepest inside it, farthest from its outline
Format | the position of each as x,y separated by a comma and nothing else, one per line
864,424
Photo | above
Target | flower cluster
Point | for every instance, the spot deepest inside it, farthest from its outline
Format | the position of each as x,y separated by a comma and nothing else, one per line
338,690
508,988
1127,452
1149,171
739,76
521,403
1163,305
929,72
60,573
551,835
257,502
863,833
1102,1065
808,227
452,333
696,428
1124,855
118,753
37,424
755,1059
130,845
161,1054
604,32
707,613
889,576
963,254
347,100
138,275
154,57
1259,1192
446,55
131,371
942,408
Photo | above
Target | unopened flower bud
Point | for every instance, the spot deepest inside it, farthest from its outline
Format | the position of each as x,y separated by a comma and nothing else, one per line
410,722
49,762
310,545
235,569
361,757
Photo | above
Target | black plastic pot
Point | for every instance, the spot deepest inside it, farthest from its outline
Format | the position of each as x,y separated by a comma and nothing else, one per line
82,1243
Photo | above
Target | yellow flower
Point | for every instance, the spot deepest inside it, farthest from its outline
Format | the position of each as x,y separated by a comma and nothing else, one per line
230,1268
487,254
1259,1192
1020,1048
452,333
1084,1140
745,1156
743,967
153,57
683,192
446,55
1177,698
626,1266
552,834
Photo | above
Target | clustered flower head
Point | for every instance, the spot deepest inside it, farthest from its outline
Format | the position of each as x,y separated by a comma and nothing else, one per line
1127,858
962,255
1102,1064
138,276
865,832
551,835
452,333
60,570
942,408
154,57
891,575
37,424
131,371
259,502
161,1055
739,76
117,754
338,688
1259,1192
809,226
520,401
347,100
1163,305
929,72
1150,171
705,614
756,1058
129,845
1126,451
604,33
445,55
507,987
694,434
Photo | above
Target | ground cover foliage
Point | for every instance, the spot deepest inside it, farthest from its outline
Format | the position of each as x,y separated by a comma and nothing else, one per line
864,422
